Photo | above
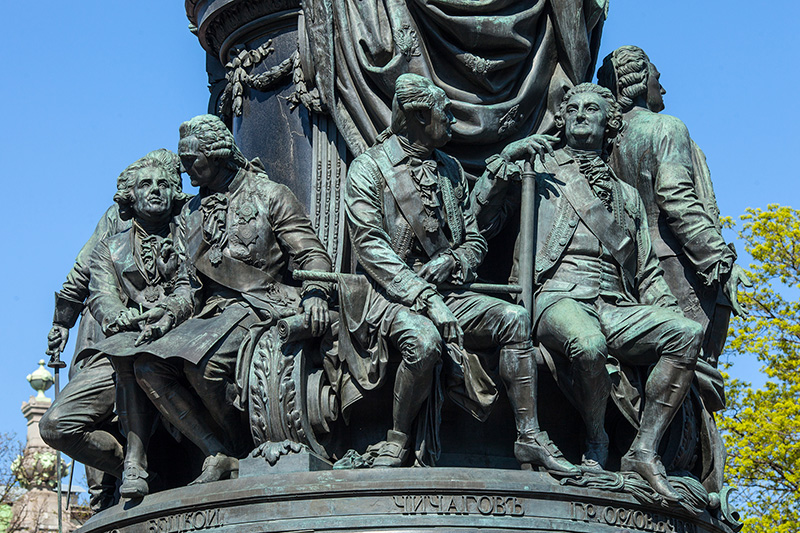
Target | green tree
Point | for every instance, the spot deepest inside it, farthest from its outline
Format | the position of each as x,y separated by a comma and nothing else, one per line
761,426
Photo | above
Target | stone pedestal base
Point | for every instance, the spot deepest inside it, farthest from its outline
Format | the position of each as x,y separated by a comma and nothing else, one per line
394,500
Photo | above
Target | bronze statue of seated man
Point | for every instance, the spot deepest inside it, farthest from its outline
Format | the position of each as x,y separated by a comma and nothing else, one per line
407,209
600,291
236,239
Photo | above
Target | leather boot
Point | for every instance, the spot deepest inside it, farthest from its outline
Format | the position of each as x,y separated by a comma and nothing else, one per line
534,447
183,411
591,390
217,467
665,391
137,417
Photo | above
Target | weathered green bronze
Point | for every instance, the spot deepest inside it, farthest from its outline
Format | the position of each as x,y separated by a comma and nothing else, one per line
132,295
412,231
227,320
600,291
655,154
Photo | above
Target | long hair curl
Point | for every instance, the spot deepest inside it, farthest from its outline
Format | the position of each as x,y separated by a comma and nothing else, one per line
625,71
215,140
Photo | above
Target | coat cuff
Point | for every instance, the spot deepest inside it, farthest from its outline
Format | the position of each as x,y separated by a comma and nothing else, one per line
466,266
712,258
498,168
316,288
66,311
406,287
178,307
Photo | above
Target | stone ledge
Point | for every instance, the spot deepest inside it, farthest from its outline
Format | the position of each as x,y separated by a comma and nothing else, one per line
394,500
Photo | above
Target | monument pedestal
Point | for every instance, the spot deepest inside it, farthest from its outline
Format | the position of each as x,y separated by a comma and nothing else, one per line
395,500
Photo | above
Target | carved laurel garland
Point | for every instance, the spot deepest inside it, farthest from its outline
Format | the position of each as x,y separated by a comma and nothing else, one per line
239,79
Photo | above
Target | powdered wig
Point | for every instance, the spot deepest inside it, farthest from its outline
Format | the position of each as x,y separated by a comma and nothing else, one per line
614,118
625,72
161,159
215,140
412,92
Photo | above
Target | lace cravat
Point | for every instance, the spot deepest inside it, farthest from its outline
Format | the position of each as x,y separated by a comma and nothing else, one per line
146,250
425,176
597,173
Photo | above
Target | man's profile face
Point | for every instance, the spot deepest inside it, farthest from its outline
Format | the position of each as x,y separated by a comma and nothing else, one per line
655,92
439,128
585,119
152,195
201,169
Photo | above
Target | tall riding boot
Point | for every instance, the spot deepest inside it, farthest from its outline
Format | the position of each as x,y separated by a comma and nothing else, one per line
533,446
591,388
665,390
411,389
182,410
137,417
412,386
179,406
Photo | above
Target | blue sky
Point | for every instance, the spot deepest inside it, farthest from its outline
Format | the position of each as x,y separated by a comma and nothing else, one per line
90,86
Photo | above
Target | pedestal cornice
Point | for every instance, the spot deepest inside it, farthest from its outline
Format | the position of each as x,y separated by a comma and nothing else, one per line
215,20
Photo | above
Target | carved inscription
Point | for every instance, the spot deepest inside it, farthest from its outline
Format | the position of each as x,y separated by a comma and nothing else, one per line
636,520
445,504
183,522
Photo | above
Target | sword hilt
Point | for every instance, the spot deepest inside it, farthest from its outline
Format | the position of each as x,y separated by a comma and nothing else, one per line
56,362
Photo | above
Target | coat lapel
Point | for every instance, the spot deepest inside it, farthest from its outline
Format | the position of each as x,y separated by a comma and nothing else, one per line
125,263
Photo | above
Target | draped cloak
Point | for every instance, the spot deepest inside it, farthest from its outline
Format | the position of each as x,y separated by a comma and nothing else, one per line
504,64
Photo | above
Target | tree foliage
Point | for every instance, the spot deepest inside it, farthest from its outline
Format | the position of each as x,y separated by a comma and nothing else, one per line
10,490
761,426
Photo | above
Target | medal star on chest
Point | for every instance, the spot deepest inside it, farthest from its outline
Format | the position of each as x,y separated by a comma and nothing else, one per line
244,227
151,293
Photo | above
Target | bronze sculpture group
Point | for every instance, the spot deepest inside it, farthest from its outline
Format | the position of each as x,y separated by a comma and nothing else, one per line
183,293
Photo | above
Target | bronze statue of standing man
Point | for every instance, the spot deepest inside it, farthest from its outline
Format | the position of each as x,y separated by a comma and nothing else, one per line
655,154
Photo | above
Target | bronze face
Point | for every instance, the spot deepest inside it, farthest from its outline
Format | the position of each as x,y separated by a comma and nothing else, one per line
655,91
585,121
152,194
201,170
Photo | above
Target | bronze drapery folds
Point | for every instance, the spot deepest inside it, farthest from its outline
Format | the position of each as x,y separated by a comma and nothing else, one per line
504,64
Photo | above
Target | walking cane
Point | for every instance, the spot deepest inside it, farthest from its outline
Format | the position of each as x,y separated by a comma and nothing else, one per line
527,236
57,364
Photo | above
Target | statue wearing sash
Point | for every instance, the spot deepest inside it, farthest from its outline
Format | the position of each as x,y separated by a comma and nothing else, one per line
600,291
238,237
412,232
